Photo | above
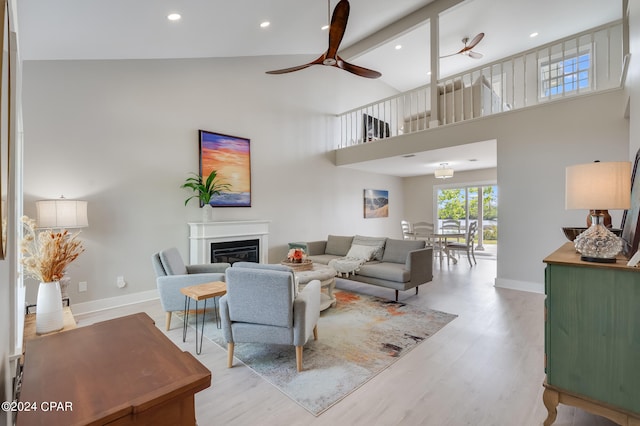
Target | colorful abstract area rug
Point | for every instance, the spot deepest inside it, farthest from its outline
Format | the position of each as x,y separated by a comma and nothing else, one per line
357,339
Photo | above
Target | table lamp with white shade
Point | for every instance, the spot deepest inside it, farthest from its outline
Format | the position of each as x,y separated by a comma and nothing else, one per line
61,214
596,187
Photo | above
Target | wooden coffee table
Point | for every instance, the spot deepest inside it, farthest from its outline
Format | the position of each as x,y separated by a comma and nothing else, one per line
201,292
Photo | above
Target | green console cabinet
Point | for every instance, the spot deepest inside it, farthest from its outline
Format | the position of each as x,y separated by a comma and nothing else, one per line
592,336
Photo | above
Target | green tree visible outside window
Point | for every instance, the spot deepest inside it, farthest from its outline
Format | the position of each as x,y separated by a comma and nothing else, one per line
451,205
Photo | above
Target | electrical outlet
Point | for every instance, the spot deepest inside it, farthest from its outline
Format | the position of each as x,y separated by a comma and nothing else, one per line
82,286
120,282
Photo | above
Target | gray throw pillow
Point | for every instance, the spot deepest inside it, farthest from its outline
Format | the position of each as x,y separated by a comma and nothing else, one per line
377,242
396,251
338,245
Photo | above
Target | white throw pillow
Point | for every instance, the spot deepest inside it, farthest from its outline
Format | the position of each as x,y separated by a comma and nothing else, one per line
361,252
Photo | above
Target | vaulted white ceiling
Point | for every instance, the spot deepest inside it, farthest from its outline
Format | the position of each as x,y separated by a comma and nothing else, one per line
139,29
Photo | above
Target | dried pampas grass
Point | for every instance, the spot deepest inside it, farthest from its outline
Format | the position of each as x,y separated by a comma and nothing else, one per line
46,254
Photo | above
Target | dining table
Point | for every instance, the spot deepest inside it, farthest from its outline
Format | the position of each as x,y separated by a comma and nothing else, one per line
439,241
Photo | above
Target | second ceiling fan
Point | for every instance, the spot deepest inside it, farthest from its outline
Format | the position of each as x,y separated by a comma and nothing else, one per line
330,57
466,50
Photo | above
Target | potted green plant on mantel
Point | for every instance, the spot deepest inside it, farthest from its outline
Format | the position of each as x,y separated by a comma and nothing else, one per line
205,191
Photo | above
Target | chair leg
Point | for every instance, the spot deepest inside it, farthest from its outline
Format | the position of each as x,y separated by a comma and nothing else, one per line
396,295
299,358
168,321
229,355
315,332
469,257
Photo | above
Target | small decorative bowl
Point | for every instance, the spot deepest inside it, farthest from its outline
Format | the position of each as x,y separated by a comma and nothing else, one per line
571,233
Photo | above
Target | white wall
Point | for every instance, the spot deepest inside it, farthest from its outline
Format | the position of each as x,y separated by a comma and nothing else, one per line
124,136
534,149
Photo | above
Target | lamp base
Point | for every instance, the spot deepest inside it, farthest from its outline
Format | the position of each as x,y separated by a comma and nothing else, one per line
598,259
597,243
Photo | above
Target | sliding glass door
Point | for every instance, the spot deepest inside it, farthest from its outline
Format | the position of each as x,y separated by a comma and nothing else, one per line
461,204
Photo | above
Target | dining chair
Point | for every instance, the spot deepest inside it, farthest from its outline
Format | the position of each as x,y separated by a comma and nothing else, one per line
407,230
452,224
467,245
424,231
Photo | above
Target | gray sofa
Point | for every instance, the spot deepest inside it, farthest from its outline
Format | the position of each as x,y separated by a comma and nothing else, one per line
395,264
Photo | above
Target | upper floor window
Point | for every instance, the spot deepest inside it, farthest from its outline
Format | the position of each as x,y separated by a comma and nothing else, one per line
566,75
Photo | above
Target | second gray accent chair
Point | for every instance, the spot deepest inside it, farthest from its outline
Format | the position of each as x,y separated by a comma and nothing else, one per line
263,305
172,274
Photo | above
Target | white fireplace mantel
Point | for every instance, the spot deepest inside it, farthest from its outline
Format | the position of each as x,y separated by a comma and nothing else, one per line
202,234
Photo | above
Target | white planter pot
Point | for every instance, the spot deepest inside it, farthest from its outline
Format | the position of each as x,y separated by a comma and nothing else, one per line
207,213
49,314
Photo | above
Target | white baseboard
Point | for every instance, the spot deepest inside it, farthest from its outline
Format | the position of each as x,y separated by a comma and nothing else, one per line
114,302
519,285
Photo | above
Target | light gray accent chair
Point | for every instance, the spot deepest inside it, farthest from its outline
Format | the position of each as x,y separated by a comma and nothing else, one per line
262,305
172,275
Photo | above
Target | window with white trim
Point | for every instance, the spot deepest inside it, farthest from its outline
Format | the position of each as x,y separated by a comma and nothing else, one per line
566,76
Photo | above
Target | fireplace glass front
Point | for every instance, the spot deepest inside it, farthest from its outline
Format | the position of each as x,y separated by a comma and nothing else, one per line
235,251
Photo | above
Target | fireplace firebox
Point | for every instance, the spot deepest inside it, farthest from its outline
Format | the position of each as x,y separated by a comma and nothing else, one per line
235,251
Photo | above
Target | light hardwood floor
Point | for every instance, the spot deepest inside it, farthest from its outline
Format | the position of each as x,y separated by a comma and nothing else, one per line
483,368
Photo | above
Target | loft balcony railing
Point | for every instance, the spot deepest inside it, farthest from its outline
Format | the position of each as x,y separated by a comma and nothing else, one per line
583,63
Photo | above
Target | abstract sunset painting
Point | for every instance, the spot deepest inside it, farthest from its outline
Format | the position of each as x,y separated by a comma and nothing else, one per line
230,156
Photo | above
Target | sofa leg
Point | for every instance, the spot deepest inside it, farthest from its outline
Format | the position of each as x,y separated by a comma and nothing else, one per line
416,289
229,355
315,332
396,295
299,358
168,321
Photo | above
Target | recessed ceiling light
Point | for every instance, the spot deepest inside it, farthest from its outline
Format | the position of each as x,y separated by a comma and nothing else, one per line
265,24
398,46
325,27
532,35
174,16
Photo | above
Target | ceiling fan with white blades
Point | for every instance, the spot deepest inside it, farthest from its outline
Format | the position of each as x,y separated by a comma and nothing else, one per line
330,57
468,45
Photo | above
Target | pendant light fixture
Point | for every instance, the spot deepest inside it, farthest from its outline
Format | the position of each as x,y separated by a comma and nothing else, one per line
444,172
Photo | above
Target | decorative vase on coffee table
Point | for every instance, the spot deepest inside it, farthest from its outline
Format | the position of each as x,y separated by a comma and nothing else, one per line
49,314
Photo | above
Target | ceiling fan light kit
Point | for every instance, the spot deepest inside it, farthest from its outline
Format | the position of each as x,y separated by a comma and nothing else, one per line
330,57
